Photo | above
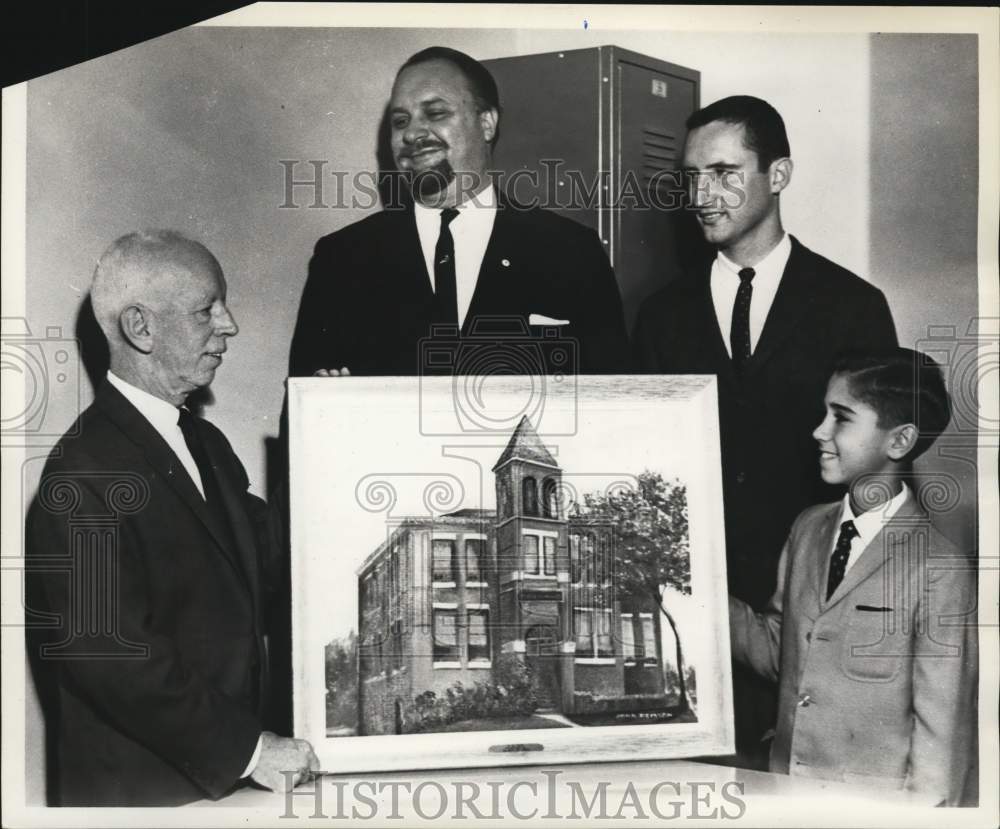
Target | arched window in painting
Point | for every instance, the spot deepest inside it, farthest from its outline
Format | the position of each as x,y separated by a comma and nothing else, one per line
530,496
550,498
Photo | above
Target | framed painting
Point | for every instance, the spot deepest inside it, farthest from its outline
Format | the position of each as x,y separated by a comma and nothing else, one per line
507,570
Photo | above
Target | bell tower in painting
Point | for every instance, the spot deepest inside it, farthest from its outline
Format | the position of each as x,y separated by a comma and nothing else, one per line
532,560
528,479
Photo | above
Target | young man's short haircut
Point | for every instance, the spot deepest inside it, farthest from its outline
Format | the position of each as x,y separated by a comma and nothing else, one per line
902,386
763,128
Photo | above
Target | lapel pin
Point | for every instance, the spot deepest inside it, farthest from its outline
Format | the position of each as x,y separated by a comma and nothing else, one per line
505,263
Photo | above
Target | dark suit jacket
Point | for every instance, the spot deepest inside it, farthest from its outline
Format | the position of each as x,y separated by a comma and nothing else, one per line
770,464
368,300
157,650
889,661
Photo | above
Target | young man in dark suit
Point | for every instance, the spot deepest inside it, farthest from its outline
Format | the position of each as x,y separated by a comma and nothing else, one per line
766,315
456,255
149,551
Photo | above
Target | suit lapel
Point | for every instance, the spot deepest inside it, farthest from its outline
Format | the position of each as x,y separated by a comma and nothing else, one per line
231,492
878,551
162,459
405,257
496,278
823,544
795,295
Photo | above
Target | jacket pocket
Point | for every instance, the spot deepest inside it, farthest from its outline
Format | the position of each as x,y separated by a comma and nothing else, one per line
874,648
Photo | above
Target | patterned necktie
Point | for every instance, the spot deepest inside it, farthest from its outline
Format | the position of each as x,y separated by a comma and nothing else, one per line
739,334
838,561
445,292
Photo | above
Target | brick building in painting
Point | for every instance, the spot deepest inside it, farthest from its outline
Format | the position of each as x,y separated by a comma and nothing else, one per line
442,597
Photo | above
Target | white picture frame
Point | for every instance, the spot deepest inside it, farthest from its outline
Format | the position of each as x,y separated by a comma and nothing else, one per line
378,469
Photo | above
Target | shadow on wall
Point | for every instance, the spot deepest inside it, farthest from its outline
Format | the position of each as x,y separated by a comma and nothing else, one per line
93,344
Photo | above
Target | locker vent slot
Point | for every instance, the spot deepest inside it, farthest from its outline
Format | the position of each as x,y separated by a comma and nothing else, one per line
659,150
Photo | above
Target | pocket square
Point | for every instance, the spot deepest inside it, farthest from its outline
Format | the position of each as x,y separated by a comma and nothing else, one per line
871,609
541,319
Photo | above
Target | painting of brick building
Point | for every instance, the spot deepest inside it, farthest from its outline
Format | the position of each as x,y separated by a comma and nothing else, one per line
514,618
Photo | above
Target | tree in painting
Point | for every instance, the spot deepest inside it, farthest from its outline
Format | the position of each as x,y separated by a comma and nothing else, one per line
652,553
342,686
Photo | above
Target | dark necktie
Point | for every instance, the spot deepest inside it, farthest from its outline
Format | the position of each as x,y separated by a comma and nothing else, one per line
739,334
186,421
445,292
209,481
838,561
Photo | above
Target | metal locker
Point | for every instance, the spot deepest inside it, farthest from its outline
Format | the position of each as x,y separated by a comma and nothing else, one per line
585,132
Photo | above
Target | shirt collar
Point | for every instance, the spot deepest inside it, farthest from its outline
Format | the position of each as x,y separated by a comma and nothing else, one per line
869,523
479,206
772,264
161,414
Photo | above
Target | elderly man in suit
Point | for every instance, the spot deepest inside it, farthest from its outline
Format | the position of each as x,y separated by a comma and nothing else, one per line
766,315
150,555
459,255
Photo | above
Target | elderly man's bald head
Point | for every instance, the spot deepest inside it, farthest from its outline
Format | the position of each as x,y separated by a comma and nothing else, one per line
143,268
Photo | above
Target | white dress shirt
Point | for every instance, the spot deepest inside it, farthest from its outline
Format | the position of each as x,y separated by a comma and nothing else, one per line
868,524
163,416
471,229
725,283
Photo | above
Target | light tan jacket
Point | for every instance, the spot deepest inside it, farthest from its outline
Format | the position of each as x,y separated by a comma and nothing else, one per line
878,685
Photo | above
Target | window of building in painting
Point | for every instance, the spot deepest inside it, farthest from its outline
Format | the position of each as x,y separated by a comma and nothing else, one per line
529,544
638,635
648,638
549,555
583,628
587,558
550,498
574,557
475,564
593,633
444,560
628,637
605,643
445,635
479,636
530,496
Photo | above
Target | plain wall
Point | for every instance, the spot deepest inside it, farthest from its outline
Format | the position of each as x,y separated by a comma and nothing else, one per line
187,131
924,222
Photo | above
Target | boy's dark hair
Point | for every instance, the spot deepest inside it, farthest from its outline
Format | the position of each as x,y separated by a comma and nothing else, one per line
902,386
481,82
763,128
